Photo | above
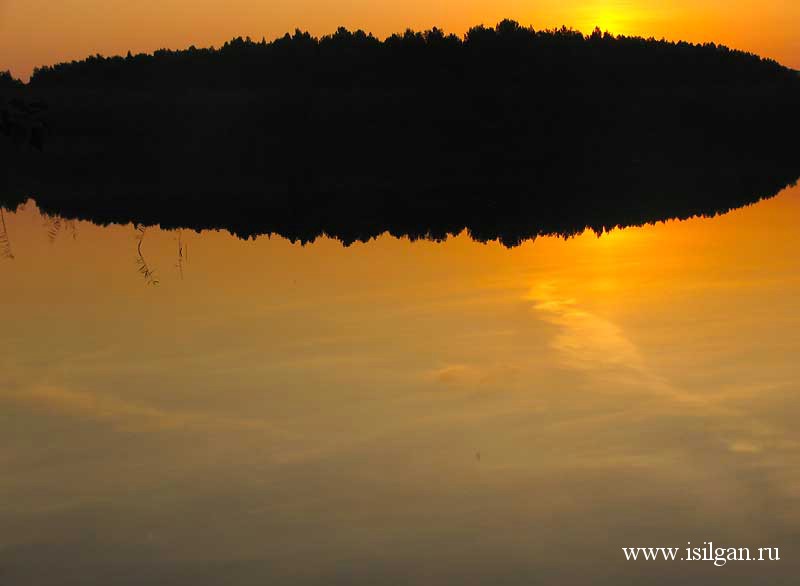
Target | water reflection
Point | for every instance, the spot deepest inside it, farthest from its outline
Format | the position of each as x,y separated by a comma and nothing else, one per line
451,412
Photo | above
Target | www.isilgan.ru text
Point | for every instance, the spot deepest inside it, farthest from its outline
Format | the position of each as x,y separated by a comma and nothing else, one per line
705,553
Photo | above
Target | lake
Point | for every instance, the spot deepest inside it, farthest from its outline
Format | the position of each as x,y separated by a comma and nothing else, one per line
193,409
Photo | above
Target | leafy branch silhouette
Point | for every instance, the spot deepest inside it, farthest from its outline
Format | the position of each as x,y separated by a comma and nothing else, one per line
72,227
144,269
52,225
183,254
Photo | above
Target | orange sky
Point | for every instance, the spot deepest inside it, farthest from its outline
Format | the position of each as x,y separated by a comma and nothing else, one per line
37,32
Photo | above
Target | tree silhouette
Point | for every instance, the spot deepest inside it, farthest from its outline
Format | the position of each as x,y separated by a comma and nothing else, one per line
7,81
357,59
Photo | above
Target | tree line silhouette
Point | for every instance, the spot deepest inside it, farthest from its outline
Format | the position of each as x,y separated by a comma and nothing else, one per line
508,131
506,53
7,81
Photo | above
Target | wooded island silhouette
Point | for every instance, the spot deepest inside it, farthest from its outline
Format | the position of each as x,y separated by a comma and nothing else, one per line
508,132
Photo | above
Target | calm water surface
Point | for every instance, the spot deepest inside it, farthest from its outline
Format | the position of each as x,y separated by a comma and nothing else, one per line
398,412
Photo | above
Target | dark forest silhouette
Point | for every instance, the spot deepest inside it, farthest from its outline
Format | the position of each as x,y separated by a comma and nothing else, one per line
7,81
507,131
506,54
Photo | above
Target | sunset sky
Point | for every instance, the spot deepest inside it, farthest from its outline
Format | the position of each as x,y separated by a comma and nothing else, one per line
38,32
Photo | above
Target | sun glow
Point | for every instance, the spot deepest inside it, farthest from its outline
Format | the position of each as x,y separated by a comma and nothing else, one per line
615,16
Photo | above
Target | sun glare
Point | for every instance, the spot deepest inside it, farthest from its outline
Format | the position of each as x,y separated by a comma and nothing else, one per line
615,16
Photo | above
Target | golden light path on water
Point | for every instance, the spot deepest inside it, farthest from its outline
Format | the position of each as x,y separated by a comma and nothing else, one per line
450,412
